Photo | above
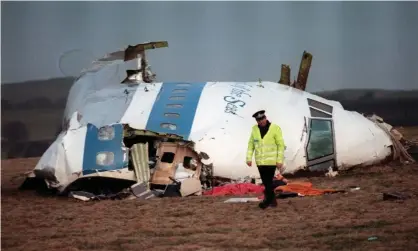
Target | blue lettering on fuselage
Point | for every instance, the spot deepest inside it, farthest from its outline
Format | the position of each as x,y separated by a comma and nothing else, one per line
235,99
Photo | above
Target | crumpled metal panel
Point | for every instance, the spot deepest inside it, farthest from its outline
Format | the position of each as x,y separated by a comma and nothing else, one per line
139,153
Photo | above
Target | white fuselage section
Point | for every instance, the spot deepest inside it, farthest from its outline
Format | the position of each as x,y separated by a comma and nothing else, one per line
217,117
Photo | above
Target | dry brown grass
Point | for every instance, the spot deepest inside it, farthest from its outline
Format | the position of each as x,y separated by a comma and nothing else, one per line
342,221
330,222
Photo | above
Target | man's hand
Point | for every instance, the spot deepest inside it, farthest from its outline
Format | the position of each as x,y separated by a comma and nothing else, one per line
249,163
280,177
279,167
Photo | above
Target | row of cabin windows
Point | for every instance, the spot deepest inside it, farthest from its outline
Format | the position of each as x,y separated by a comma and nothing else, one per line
171,126
108,133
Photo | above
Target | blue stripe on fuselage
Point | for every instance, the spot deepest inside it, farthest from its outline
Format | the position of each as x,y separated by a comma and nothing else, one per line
93,146
175,107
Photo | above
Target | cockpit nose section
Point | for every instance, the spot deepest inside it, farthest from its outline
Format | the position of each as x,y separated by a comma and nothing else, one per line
103,149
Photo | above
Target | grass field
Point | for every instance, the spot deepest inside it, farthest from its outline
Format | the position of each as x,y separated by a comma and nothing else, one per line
342,221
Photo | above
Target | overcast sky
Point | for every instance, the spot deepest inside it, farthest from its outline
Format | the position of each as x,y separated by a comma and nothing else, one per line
354,44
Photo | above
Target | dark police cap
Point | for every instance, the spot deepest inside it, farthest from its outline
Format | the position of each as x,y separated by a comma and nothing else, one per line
259,114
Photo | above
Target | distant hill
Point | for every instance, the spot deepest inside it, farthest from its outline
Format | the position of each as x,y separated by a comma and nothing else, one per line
398,108
31,115
25,94
32,111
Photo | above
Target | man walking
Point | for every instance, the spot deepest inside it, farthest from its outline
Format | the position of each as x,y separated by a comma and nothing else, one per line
266,141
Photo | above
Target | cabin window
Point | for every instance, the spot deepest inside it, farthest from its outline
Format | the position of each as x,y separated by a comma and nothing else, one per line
174,105
169,126
321,141
105,158
171,114
168,157
177,97
183,85
106,133
320,105
179,90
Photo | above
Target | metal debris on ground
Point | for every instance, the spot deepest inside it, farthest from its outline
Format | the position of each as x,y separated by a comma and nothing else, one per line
141,191
395,196
354,188
399,151
242,200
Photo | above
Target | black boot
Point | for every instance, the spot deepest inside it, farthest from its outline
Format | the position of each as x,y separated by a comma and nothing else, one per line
273,203
263,205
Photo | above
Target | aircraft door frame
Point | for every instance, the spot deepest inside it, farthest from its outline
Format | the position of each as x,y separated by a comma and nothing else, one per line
324,152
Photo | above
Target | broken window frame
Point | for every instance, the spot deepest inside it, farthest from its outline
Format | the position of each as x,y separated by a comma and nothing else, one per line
180,152
168,155
109,158
106,133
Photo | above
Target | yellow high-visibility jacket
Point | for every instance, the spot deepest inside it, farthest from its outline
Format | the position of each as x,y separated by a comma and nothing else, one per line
268,150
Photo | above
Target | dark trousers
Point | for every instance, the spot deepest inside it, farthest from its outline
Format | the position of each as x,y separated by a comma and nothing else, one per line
267,175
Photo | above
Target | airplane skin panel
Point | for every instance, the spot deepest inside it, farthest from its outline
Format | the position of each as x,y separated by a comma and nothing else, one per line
74,142
108,145
174,108
224,120
136,115
358,140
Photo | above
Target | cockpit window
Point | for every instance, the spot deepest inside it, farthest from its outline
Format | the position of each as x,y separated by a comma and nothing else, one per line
320,106
319,114
321,141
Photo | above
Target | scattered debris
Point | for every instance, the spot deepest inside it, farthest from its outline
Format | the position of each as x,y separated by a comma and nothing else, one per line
285,75
354,188
242,200
395,196
87,196
331,173
305,66
142,191
81,195
399,151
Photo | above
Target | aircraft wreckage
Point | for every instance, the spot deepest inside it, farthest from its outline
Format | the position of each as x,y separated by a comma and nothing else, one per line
122,126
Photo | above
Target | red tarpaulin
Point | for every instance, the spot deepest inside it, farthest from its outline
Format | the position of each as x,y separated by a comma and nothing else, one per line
303,188
236,189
